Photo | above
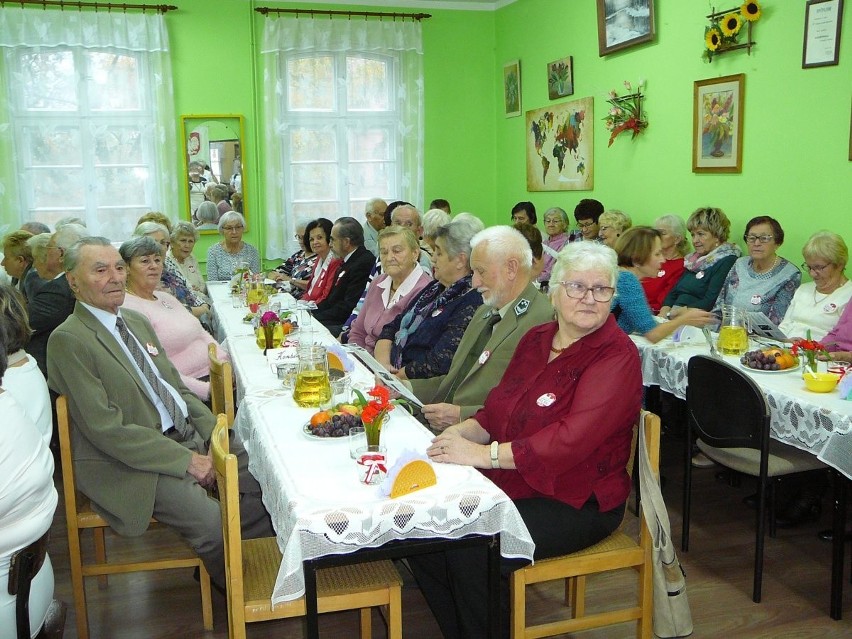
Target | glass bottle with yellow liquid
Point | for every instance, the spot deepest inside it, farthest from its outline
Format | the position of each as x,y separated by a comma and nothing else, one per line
733,333
312,388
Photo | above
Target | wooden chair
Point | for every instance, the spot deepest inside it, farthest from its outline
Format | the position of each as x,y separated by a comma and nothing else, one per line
616,552
251,567
734,432
80,517
221,385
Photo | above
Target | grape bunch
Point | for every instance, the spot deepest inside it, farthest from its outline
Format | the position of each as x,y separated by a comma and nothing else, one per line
760,361
337,426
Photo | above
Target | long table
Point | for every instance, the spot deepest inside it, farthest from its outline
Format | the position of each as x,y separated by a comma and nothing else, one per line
820,423
310,489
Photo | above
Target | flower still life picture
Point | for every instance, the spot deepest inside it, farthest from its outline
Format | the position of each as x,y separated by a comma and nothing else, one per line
718,125
560,146
512,88
560,78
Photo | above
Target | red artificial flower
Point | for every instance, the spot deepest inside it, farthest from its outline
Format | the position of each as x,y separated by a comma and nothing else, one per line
369,413
382,394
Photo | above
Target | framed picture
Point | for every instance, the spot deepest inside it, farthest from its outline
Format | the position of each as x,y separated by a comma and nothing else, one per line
560,147
623,23
512,88
822,33
560,78
717,125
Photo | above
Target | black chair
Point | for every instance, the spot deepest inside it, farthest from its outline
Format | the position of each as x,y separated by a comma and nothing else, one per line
729,414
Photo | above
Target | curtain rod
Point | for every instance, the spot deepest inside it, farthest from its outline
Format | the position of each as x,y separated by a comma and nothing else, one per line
350,14
109,6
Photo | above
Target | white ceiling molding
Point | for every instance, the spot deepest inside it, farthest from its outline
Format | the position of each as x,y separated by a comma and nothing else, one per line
452,5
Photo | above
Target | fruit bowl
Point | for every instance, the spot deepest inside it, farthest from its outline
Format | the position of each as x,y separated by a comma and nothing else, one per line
334,423
820,382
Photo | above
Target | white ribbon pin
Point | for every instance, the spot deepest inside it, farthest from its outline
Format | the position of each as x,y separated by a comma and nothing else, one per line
756,299
699,275
484,357
152,350
546,400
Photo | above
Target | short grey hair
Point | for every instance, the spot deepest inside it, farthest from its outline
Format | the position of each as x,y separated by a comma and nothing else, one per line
584,256
674,225
503,243
68,235
69,219
370,206
146,228
561,212
141,246
207,212
231,216
36,228
471,220
71,257
183,228
38,245
406,207
456,238
433,219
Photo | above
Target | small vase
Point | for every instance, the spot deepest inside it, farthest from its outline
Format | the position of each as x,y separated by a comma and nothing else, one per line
372,464
717,151
269,337
374,431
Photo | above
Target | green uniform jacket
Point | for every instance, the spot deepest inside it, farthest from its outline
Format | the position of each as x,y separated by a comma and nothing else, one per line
529,309
118,443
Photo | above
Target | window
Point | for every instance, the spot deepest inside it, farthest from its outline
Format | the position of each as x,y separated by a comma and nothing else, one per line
82,125
341,138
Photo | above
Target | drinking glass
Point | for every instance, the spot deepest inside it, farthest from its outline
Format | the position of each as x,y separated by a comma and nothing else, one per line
357,439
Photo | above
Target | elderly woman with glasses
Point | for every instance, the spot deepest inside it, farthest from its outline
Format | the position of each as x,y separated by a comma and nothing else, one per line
817,306
555,435
762,281
556,226
612,224
224,257
298,268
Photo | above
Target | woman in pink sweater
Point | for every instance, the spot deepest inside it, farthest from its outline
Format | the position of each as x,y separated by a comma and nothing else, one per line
180,333
388,295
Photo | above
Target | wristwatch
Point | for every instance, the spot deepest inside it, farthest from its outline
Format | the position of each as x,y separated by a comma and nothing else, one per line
495,461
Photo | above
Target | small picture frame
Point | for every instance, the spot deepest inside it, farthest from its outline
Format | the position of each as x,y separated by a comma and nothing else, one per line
624,23
512,88
560,78
821,46
717,124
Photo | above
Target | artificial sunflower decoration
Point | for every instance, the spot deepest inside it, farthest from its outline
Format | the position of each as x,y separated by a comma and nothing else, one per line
750,11
731,24
712,38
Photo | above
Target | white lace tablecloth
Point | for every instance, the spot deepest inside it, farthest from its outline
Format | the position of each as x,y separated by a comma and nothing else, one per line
310,487
820,423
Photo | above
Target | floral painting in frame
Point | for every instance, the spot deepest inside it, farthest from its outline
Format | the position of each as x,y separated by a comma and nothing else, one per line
717,123
623,23
560,147
560,78
512,88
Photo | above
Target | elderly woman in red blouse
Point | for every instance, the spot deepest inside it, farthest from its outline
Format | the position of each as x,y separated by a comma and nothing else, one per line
554,434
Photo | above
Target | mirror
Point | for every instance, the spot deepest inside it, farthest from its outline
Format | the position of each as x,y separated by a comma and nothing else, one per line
214,169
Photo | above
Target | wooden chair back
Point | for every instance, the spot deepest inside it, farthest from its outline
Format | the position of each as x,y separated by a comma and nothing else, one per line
221,385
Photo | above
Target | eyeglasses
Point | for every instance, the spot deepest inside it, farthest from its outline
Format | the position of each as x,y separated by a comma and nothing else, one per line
585,225
814,269
577,291
231,229
754,239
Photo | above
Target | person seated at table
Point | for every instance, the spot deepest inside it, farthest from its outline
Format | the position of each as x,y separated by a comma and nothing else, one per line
533,237
586,214
374,212
297,268
524,212
706,268
326,264
28,501
501,259
180,333
350,278
18,262
172,280
555,435
225,256
408,216
838,341
140,435
612,224
672,231
23,380
421,341
556,226
640,255
433,219
818,305
179,258
761,281
388,295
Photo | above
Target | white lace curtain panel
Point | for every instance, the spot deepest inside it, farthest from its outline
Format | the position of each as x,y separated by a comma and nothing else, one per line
287,36
117,32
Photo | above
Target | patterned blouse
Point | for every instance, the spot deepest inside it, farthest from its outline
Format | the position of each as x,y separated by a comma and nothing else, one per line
221,265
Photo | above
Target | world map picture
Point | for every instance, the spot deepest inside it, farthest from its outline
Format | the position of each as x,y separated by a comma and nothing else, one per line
560,146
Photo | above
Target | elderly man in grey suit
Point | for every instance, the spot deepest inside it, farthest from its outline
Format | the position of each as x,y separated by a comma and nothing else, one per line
501,260
140,437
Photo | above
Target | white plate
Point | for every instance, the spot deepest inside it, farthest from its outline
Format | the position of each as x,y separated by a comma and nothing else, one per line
783,370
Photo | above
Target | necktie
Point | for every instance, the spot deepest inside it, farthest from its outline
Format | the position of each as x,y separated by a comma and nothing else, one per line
474,353
152,377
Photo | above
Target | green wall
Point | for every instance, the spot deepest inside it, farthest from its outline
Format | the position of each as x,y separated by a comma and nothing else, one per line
796,129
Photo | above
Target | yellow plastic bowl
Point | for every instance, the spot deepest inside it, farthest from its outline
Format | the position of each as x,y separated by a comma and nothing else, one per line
821,382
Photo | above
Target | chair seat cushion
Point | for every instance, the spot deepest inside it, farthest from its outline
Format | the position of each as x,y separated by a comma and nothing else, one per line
783,459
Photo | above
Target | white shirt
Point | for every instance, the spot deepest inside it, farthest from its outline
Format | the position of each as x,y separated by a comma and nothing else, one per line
27,385
320,270
816,311
404,289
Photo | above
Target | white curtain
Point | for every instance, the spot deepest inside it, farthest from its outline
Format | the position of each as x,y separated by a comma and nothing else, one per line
293,36
142,35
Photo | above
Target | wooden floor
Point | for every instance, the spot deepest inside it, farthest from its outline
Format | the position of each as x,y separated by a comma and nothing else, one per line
719,577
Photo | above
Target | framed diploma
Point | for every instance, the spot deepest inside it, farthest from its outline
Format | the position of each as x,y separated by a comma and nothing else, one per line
822,33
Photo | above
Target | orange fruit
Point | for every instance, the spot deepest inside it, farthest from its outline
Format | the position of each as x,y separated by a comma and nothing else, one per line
320,418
